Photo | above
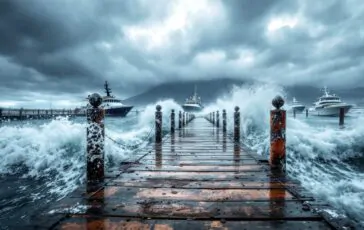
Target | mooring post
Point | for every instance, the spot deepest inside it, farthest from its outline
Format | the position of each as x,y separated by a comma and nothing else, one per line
294,113
237,125
217,119
158,124
278,135
183,119
20,113
306,113
95,140
180,120
341,116
172,121
213,118
224,121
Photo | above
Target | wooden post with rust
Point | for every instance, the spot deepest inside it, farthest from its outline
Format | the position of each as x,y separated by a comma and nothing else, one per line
217,119
180,120
213,118
95,140
278,135
237,125
341,116
172,121
183,119
224,121
158,124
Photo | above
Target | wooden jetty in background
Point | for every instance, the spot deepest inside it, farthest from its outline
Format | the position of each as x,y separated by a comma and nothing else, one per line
196,177
23,114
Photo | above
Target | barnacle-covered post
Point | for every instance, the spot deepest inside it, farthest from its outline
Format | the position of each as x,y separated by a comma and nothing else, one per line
158,124
95,140
278,135
180,120
236,124
217,119
172,121
224,121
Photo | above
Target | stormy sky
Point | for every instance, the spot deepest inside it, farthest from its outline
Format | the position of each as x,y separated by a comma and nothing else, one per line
61,50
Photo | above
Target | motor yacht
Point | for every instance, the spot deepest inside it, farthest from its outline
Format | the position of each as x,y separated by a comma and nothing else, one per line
193,103
329,105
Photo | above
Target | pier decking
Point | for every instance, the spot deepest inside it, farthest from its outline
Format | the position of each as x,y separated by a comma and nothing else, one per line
196,179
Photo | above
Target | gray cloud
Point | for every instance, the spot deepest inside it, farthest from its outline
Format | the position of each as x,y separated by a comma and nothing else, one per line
66,49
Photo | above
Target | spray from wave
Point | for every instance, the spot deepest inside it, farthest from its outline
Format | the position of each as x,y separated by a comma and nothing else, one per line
319,154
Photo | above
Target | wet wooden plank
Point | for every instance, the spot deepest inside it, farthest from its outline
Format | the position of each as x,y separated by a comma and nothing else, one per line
93,223
199,210
200,162
180,175
198,168
116,192
199,185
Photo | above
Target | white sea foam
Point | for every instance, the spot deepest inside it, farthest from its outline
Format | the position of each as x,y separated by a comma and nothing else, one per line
317,151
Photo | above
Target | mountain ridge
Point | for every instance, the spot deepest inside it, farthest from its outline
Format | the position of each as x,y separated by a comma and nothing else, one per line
210,90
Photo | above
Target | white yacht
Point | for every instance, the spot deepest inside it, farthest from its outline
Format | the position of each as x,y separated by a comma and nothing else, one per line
297,106
329,105
113,107
193,103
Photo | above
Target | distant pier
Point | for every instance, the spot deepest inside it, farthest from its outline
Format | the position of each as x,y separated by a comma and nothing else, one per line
24,114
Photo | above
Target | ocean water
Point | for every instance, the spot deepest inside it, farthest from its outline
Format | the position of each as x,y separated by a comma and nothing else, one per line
44,160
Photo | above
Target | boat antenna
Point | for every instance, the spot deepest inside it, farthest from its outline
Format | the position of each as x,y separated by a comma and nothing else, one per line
326,92
107,89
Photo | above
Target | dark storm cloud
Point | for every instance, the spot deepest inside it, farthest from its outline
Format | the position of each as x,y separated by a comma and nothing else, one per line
67,48
45,36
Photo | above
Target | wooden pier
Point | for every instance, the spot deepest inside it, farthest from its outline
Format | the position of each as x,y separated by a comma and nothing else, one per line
197,178
24,114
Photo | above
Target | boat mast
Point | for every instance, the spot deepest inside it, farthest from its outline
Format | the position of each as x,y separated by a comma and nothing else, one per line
107,89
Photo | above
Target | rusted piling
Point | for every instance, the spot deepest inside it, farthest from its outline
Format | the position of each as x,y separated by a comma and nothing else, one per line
158,124
217,119
278,135
224,121
341,116
172,121
237,124
180,120
95,140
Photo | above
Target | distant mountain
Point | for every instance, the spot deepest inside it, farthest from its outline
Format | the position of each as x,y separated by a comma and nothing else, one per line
208,90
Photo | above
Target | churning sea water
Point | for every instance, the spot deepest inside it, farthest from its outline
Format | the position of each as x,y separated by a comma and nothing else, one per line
44,160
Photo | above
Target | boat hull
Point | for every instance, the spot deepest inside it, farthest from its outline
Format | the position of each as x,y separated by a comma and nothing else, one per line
188,108
118,111
330,110
298,109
